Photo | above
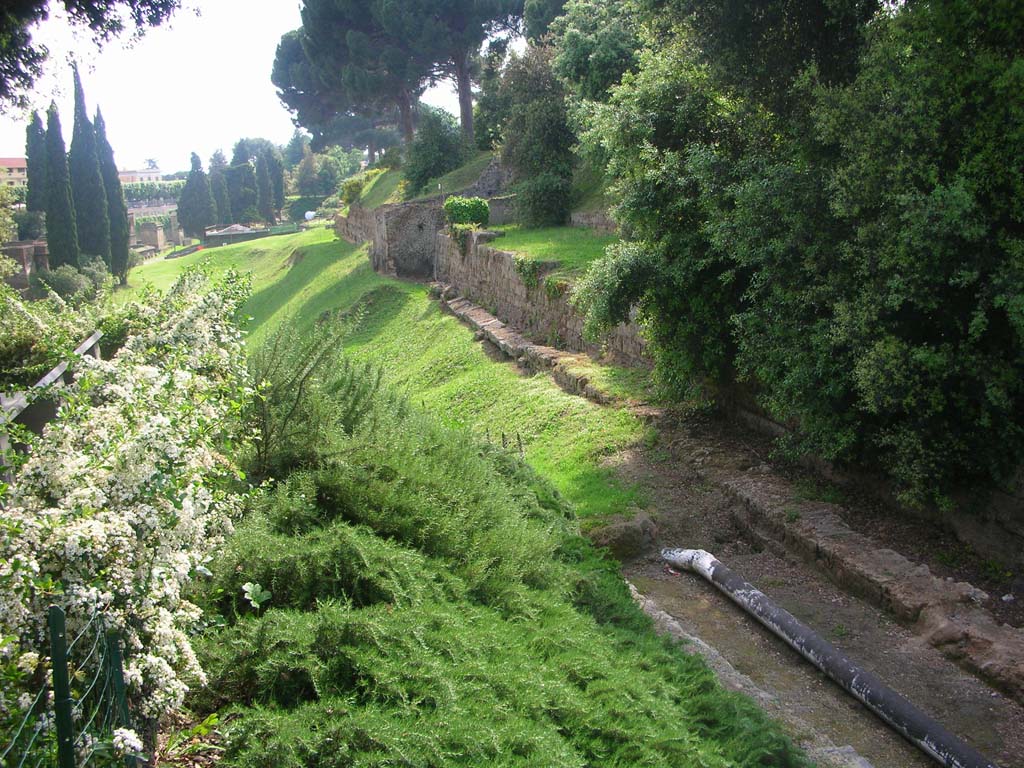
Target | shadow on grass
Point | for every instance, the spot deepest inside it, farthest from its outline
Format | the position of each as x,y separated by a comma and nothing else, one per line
303,265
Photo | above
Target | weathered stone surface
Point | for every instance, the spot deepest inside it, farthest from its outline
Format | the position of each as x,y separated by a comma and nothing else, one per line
599,221
627,539
946,613
488,276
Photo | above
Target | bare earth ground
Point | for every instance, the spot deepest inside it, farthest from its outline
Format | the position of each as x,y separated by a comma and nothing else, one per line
691,512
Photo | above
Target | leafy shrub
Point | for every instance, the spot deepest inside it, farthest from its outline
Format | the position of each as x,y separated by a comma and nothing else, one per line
436,149
351,189
390,159
306,390
31,224
863,273
467,210
66,281
434,591
296,209
543,200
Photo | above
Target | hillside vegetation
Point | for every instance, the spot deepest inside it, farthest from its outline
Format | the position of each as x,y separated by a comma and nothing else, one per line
407,593
430,357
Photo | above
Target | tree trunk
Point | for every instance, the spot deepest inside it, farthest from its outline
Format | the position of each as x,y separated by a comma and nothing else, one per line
371,152
465,88
405,112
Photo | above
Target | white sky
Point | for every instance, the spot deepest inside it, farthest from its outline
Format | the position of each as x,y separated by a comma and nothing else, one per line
195,84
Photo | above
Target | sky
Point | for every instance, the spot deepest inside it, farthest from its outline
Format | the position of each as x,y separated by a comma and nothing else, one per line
195,84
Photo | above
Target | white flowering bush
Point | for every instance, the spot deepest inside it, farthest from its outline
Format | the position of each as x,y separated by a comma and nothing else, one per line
124,497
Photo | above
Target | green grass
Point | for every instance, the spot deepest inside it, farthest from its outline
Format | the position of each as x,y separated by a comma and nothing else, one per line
381,189
462,177
432,357
574,248
588,190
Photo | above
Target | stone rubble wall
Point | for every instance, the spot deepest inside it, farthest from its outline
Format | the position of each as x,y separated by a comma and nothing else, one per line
599,221
488,276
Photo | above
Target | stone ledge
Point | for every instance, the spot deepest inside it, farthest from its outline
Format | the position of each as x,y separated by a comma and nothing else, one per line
535,357
946,614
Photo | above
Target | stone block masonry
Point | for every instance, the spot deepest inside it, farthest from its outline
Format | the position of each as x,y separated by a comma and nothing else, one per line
410,240
526,299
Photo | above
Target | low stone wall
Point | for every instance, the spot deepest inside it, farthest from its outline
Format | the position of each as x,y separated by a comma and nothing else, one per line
502,210
488,276
599,221
31,256
402,237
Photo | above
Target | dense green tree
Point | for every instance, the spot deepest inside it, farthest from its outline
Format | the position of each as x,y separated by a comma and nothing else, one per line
35,160
264,190
117,211
242,194
293,151
597,41
275,169
492,105
537,140
346,60
87,190
448,34
538,15
21,59
61,229
219,188
437,148
306,180
761,46
823,231
196,208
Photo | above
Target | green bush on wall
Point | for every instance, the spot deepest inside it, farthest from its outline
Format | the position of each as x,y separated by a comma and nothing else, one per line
467,210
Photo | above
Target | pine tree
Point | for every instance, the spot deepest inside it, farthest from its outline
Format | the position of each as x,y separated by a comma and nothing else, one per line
61,231
35,160
264,190
117,211
195,206
219,188
87,183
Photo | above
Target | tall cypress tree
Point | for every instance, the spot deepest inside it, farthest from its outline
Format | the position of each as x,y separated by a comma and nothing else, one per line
219,188
117,211
264,190
87,183
61,231
195,206
35,160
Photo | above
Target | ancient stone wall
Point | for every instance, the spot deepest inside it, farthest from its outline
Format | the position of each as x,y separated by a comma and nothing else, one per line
599,221
401,236
534,305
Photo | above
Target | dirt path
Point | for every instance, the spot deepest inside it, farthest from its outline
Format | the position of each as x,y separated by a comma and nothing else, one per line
691,512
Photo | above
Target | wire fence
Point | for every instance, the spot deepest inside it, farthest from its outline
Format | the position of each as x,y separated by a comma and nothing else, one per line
72,717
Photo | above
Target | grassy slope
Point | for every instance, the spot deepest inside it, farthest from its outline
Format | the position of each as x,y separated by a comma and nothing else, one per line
433,357
381,189
462,177
573,247
431,604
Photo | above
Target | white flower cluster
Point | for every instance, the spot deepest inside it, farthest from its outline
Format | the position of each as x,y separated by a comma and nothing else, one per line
122,499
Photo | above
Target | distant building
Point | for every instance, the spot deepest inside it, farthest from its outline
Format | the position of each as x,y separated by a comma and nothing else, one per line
13,171
130,177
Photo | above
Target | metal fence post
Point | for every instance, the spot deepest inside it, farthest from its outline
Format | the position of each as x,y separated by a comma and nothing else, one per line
61,688
116,668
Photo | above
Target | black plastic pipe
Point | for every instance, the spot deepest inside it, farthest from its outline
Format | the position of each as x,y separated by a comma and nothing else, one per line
906,719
